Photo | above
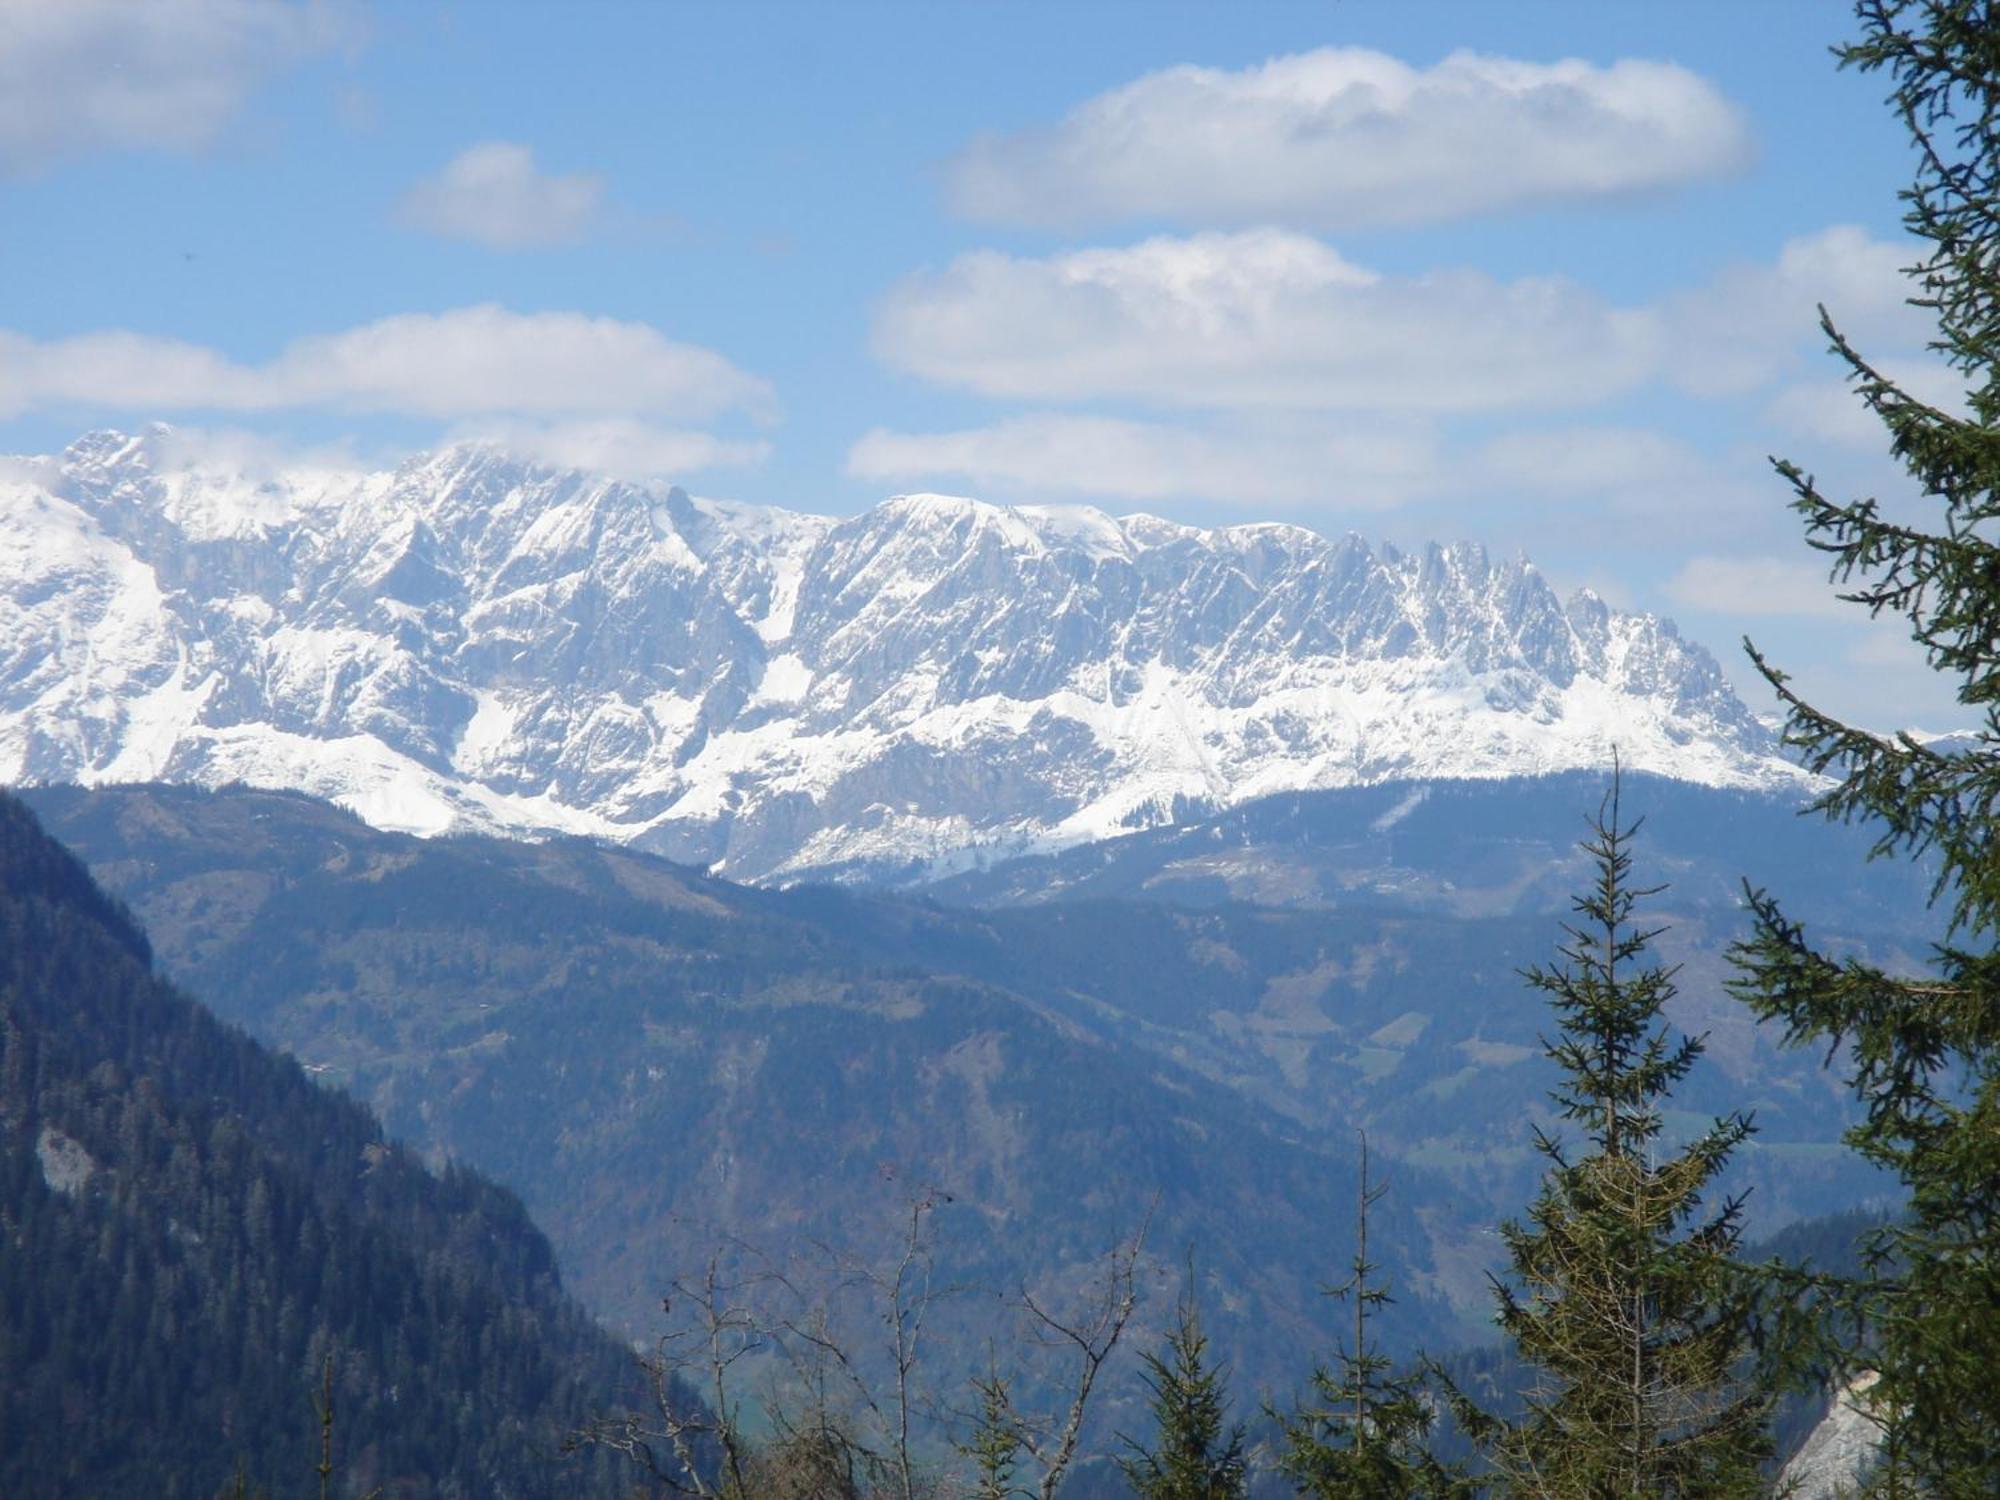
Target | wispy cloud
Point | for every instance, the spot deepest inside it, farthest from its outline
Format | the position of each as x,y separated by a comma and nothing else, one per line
1831,411
619,446
1346,137
1586,462
1568,480
1054,455
493,194
469,361
1751,322
84,75
1759,586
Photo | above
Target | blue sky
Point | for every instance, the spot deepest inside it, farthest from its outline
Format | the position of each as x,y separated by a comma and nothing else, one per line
1303,262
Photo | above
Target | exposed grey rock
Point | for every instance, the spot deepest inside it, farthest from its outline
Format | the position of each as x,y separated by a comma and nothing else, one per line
66,1165
1837,1454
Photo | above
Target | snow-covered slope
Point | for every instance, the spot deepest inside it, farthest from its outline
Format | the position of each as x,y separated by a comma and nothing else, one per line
473,641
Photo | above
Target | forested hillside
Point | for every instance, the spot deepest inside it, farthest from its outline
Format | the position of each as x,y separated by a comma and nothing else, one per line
657,1061
654,1058
193,1227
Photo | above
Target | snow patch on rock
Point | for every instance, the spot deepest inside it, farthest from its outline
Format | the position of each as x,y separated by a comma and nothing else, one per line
476,642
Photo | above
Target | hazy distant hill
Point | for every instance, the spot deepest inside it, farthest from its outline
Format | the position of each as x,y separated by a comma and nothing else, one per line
1477,848
647,1053
651,1056
191,1225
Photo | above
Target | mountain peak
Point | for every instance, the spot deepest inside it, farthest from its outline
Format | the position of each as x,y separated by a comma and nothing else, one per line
107,450
480,640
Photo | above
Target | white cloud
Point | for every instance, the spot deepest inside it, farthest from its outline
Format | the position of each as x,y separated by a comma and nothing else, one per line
1826,411
616,446
1862,280
466,362
1107,459
1830,411
18,468
1560,483
492,194
1890,644
1344,137
1582,493
1273,319
1263,318
83,75
1603,480
1759,586
255,455
1588,462
1749,324
1869,673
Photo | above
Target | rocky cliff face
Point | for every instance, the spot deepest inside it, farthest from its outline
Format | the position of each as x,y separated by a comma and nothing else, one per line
473,641
1838,1453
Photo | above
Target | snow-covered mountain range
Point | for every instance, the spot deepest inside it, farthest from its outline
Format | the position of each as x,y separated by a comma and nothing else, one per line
475,641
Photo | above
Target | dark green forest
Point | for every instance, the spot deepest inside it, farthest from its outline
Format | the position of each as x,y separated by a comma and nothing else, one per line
192,1226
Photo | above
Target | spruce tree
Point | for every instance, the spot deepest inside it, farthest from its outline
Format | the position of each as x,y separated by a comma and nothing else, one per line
1924,1051
1623,1290
1364,1432
994,1446
1196,1454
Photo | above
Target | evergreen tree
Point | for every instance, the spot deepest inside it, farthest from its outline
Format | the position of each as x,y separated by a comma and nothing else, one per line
1925,1052
1624,1293
1364,1433
994,1447
1195,1454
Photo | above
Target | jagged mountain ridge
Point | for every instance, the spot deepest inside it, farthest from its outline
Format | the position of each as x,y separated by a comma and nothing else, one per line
472,641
